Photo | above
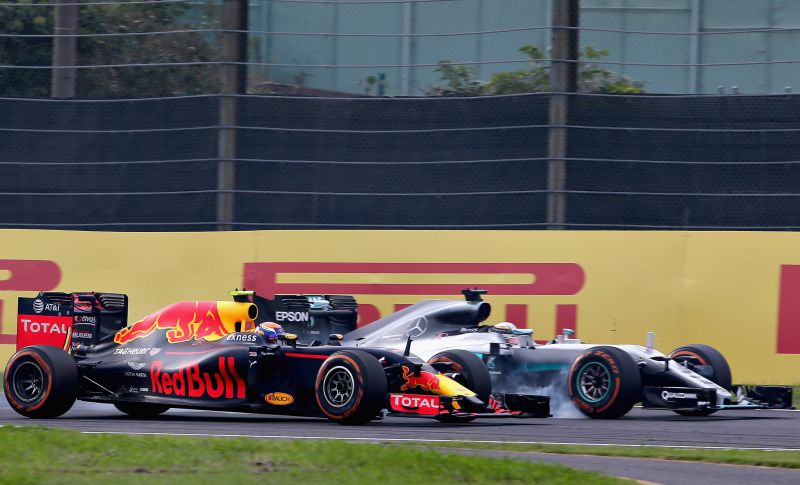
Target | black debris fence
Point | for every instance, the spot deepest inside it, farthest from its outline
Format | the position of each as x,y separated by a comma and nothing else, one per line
633,162
176,115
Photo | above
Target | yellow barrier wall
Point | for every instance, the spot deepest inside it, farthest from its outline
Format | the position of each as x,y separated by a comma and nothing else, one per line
719,288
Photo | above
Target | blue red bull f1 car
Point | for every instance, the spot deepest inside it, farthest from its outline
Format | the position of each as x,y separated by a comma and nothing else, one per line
219,355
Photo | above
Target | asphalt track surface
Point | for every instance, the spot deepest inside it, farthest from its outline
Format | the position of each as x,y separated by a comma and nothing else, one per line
777,430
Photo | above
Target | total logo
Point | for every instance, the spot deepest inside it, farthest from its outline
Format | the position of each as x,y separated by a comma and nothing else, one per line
192,382
292,316
39,306
667,395
412,403
29,325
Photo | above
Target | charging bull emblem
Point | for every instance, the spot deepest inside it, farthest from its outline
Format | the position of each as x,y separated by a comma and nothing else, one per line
193,320
427,381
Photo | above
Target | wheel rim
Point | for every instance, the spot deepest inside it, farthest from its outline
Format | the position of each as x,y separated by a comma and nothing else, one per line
28,382
593,382
338,386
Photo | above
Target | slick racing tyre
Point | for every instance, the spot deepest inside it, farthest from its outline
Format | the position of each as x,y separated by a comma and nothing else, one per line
468,370
351,387
41,382
699,354
604,382
141,409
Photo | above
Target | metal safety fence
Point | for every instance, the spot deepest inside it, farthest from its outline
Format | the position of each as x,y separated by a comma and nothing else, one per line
173,115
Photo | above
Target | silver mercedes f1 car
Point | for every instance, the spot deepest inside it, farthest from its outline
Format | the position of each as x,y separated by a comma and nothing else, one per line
603,381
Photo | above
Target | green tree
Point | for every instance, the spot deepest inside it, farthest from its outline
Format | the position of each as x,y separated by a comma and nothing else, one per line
31,51
183,47
459,80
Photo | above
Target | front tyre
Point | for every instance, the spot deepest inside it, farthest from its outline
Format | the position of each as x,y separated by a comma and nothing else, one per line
604,382
41,382
141,410
699,354
468,370
351,387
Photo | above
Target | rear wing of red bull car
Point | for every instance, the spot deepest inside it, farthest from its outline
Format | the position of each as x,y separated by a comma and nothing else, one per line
66,320
310,317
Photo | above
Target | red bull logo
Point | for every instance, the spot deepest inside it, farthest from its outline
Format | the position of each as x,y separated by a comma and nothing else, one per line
191,382
427,381
183,321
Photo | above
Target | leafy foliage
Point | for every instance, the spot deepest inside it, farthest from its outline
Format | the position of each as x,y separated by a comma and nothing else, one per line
182,47
460,80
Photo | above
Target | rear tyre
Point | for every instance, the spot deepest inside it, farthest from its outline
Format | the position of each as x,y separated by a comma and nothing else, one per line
41,382
604,382
141,410
351,387
468,370
699,354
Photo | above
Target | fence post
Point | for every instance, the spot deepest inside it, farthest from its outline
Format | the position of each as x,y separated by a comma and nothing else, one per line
62,78
233,79
564,79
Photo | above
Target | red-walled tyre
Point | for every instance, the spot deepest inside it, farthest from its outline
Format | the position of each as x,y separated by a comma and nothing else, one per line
604,382
699,354
41,382
351,387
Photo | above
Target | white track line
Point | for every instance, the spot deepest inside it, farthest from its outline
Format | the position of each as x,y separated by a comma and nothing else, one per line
341,438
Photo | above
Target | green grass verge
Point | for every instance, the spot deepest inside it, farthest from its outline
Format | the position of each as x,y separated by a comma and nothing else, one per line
779,459
42,455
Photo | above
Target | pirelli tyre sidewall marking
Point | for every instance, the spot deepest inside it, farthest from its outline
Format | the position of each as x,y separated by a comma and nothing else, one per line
326,366
688,353
611,366
45,368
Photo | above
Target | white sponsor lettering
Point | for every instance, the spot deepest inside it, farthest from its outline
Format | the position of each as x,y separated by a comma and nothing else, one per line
135,374
415,402
242,337
131,350
81,335
667,395
292,316
29,325
85,319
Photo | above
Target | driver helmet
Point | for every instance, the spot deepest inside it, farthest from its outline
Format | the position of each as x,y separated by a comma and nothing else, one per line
507,329
271,331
